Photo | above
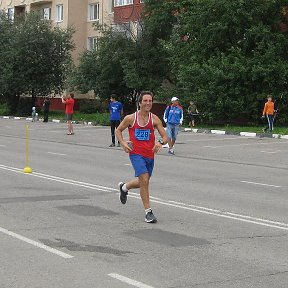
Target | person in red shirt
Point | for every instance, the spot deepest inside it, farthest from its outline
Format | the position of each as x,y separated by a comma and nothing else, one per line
269,111
141,149
69,110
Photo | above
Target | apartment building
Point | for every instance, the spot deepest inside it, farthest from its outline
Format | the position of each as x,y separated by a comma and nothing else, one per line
127,17
81,14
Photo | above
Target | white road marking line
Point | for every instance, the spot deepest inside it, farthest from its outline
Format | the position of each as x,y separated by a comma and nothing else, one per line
190,207
198,207
271,152
223,214
261,184
2,145
61,180
209,139
129,281
54,153
156,198
34,243
246,144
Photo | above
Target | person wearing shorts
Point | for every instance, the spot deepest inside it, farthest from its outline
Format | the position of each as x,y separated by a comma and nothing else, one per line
173,117
69,110
116,112
141,148
192,111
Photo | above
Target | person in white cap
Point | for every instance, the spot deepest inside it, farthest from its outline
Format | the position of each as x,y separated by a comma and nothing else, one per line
173,117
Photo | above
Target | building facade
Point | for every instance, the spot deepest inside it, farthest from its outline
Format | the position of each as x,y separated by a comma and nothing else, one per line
80,14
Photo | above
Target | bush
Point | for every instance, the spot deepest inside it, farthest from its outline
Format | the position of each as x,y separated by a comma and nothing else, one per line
92,106
4,109
24,107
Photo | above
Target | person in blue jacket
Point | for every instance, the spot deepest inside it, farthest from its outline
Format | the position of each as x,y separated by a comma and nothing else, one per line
116,112
173,117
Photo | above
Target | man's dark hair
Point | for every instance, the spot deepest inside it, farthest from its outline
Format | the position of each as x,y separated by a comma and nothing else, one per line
113,96
72,95
142,93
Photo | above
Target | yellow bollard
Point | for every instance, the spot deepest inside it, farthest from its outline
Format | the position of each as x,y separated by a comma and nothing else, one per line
27,169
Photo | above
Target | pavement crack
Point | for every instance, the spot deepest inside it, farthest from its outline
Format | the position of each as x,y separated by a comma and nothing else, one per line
234,279
258,236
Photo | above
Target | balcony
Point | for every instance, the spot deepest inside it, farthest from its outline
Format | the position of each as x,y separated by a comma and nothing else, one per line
127,13
40,2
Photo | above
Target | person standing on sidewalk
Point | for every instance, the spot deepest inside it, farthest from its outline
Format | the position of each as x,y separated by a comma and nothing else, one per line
269,111
173,117
116,112
141,149
46,106
192,112
69,110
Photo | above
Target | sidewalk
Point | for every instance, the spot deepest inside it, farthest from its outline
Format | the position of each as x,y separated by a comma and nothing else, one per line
201,130
245,134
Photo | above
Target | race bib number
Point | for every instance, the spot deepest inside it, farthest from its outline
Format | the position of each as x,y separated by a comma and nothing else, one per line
142,134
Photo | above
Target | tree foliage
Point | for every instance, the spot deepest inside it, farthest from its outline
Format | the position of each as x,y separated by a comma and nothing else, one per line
122,65
232,55
225,54
39,58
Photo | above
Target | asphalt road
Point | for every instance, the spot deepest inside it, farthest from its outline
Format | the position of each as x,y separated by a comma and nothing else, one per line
221,204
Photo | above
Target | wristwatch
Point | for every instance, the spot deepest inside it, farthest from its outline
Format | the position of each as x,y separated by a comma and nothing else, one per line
161,141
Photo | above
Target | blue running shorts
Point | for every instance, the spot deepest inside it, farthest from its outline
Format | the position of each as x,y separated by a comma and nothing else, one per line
141,164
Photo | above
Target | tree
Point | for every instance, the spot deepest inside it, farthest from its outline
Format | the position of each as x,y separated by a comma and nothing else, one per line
123,63
40,58
6,52
233,54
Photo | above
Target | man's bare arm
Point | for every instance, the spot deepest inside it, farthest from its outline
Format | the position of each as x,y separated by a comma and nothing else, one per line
158,124
160,128
127,121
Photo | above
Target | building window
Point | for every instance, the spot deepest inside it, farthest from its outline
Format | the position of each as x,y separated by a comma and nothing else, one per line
10,13
92,43
93,12
122,2
110,6
46,13
59,13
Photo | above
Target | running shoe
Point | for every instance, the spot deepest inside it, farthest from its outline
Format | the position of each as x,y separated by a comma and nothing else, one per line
171,151
123,194
150,218
118,145
112,145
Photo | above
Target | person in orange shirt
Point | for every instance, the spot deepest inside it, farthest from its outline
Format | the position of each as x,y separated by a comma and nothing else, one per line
269,111
69,110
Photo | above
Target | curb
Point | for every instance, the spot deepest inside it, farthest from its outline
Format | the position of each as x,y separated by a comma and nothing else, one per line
193,130
51,120
243,134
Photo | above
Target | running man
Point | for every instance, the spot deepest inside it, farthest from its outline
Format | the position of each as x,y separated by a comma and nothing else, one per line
141,149
269,111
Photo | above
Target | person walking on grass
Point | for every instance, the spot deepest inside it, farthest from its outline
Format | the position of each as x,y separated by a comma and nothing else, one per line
116,112
141,148
269,111
173,117
69,110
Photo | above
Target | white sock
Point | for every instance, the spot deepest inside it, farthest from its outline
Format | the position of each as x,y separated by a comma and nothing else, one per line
148,210
124,188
